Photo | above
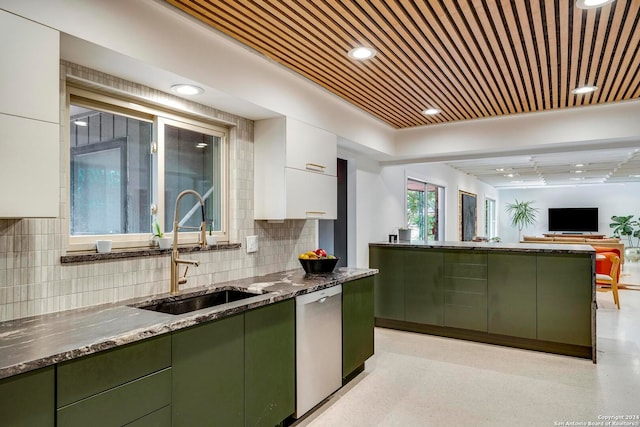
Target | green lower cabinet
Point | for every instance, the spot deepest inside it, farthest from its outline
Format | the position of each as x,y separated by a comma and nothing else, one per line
208,374
465,285
389,283
564,296
115,387
28,399
357,323
512,292
269,364
424,287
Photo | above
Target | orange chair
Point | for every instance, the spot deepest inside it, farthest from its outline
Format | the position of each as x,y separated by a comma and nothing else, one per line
604,266
609,282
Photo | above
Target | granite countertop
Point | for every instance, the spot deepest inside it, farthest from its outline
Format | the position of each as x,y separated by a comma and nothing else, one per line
493,246
35,342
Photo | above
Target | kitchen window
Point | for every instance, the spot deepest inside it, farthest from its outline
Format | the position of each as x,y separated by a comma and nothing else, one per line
129,162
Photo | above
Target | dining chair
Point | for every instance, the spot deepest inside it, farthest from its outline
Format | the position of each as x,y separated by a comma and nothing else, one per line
609,282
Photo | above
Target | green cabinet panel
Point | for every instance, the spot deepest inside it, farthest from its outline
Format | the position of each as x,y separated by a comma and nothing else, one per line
120,405
424,286
564,295
270,364
465,284
84,377
208,374
28,399
159,418
357,323
512,294
389,283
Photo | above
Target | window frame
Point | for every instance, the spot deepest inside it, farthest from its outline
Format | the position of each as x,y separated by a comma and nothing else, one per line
158,116
440,208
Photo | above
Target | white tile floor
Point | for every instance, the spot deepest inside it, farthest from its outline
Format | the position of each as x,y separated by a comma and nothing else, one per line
421,380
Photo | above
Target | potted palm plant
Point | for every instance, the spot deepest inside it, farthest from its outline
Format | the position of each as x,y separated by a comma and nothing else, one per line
626,226
523,214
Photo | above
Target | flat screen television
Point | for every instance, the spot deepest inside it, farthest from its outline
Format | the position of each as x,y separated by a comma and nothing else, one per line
573,219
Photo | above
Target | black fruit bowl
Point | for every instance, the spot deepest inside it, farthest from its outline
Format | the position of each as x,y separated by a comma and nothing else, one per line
318,266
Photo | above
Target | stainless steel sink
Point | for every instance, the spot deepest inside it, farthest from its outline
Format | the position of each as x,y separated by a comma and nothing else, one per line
177,305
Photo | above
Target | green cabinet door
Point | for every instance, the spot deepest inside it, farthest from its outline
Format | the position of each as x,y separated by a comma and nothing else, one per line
424,286
28,399
512,294
564,295
465,283
270,364
208,374
389,283
357,323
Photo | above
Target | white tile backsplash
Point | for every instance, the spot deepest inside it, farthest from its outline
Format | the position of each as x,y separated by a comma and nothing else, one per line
33,281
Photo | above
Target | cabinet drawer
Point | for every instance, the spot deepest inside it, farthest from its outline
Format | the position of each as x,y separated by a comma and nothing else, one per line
159,418
311,195
120,405
81,378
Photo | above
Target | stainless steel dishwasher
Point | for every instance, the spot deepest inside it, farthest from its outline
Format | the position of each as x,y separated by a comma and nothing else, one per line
318,347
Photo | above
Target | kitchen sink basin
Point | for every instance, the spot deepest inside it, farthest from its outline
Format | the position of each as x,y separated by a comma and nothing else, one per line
177,305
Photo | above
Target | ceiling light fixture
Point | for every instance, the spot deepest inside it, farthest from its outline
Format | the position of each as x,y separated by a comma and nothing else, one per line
500,170
431,111
584,89
579,165
185,89
591,4
361,53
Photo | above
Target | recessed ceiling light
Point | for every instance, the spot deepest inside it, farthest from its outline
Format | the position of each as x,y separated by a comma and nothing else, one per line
577,179
591,4
584,89
80,123
431,111
361,53
184,89
500,170
578,171
579,165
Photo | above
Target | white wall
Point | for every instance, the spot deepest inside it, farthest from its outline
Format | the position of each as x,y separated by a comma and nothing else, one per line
377,200
610,199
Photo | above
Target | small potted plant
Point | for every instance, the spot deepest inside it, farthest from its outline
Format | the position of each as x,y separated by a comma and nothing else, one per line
163,242
212,239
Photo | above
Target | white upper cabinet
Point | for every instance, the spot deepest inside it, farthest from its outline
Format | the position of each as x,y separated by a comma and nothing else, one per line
30,69
29,119
309,148
294,171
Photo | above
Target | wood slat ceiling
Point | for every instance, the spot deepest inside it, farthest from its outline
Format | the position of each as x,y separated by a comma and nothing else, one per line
469,58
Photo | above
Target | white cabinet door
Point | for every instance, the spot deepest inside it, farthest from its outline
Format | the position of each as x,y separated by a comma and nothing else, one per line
310,148
311,195
295,167
29,70
29,168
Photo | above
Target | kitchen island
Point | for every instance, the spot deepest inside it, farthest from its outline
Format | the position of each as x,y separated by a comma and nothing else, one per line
531,296
231,364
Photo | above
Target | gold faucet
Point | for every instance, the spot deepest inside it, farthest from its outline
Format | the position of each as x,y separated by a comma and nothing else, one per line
176,280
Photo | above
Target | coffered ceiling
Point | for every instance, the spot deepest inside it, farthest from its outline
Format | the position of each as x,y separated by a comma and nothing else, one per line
469,58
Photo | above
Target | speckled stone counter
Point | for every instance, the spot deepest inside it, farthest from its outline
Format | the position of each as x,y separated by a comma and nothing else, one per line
35,342
485,246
